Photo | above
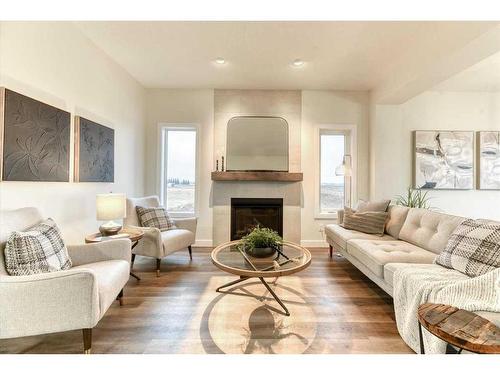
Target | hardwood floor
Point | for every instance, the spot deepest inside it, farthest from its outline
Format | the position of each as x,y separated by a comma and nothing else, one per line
334,309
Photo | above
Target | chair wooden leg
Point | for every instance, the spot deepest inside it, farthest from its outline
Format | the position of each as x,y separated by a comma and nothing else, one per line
158,263
331,251
190,252
87,340
120,297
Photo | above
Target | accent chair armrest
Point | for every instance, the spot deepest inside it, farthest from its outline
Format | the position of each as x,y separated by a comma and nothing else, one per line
188,223
48,302
100,251
151,244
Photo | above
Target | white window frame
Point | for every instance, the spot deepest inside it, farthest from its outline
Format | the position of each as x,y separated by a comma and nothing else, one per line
162,174
351,149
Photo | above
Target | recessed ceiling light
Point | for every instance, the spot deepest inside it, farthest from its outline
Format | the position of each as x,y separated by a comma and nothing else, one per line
220,60
297,62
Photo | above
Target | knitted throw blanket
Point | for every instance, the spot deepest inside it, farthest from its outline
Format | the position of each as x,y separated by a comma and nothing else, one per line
423,283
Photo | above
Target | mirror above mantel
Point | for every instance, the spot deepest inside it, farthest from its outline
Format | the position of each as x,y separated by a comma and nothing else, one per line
257,150
257,144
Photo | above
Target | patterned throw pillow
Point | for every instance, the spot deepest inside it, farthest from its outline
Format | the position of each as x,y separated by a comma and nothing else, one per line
155,217
38,249
372,222
473,248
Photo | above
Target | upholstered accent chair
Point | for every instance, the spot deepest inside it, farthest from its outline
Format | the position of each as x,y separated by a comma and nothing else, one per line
157,244
63,300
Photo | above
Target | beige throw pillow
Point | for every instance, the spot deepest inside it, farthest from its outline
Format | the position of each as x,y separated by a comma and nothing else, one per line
371,222
379,206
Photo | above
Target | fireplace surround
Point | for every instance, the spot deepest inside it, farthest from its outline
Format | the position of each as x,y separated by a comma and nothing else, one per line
247,213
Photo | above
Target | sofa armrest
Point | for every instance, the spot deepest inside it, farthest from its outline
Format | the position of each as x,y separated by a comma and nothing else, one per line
188,223
48,302
101,251
340,216
151,244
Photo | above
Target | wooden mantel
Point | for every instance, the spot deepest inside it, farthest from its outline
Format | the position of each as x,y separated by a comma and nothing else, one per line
257,176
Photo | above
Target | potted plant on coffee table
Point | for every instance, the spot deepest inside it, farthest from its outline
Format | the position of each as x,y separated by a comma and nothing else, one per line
261,242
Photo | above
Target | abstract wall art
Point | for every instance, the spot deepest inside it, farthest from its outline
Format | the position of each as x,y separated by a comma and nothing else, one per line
94,152
35,139
488,146
443,160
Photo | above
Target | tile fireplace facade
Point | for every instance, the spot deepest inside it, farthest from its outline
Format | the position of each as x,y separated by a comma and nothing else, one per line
280,103
223,192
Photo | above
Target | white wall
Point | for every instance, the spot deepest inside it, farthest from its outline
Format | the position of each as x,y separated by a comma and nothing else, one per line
54,63
330,108
186,107
391,147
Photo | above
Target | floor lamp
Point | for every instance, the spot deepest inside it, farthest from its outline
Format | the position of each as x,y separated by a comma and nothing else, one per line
345,170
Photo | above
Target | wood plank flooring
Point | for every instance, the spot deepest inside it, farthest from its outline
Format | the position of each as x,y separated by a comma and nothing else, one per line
334,309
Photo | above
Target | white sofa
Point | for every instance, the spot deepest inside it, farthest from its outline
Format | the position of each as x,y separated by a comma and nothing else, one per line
412,236
64,300
157,244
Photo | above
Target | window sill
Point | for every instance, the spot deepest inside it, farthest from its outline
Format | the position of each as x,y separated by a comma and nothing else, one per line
180,215
327,216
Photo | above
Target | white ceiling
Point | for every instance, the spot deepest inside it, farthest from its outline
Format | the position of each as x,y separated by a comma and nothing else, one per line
338,55
481,77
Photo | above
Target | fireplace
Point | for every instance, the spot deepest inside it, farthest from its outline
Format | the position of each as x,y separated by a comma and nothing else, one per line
247,213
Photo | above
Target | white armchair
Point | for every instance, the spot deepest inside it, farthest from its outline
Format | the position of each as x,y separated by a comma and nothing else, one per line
64,300
157,244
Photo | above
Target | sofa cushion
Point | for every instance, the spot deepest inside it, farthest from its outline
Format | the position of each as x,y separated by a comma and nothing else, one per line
473,248
38,249
340,235
428,230
176,239
111,275
372,222
375,254
397,217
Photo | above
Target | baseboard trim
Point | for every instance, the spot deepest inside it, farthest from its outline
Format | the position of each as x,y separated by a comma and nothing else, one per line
305,243
314,243
203,243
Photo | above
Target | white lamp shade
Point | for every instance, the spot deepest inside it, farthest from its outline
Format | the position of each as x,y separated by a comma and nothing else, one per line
111,206
343,169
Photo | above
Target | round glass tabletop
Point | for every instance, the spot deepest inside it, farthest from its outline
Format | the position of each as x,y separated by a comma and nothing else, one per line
289,259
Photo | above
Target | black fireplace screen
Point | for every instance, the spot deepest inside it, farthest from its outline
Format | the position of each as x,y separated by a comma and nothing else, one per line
247,213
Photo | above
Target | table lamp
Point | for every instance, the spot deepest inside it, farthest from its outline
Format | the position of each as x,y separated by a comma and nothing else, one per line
110,207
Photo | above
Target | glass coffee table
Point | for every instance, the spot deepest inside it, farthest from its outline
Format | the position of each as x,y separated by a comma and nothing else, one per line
290,258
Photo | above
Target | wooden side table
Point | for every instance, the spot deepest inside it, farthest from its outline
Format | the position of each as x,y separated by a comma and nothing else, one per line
459,328
134,235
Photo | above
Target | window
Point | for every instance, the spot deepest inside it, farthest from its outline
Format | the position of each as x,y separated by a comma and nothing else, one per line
178,170
334,145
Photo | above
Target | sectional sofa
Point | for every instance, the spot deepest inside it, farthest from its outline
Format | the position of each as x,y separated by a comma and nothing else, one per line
412,236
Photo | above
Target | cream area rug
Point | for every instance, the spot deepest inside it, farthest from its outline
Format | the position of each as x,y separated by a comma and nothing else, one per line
247,320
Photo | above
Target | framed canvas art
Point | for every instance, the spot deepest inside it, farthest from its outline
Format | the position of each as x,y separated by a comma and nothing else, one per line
35,139
94,152
443,160
488,149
